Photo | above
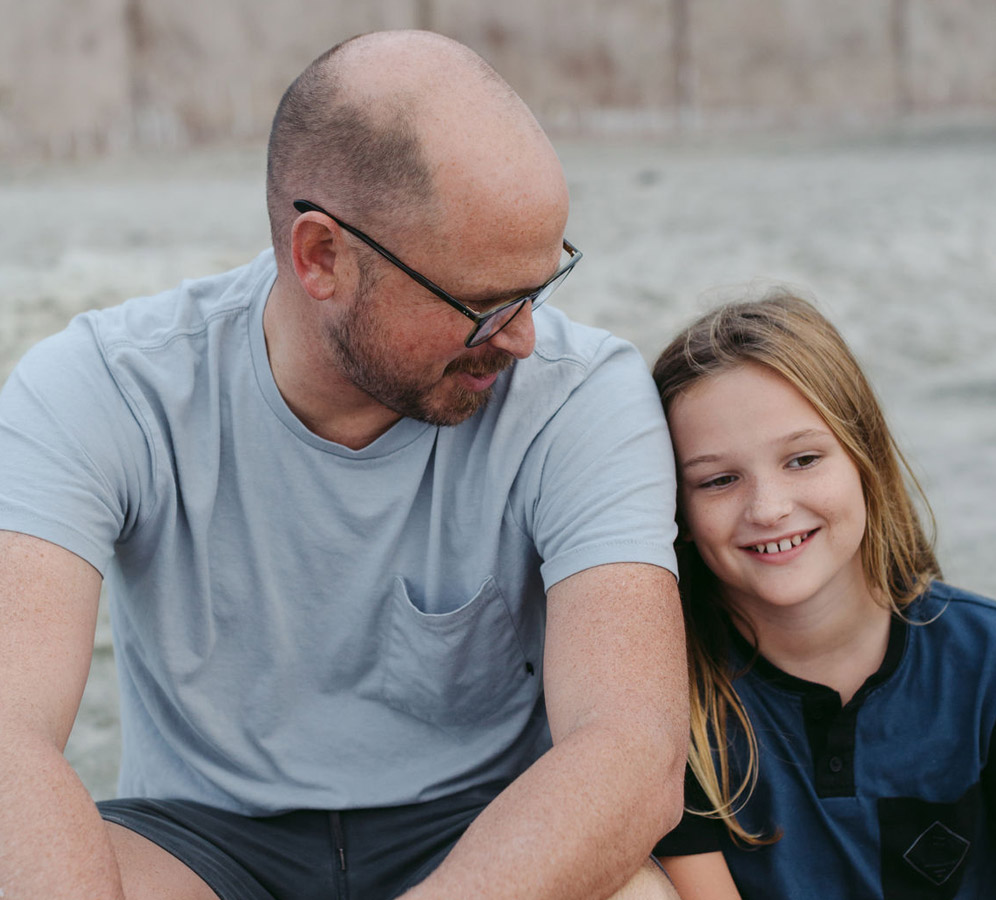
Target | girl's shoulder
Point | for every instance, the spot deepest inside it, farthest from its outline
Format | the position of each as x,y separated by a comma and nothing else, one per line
958,624
942,600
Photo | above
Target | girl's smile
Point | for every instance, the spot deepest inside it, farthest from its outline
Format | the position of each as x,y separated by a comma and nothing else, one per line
779,549
771,499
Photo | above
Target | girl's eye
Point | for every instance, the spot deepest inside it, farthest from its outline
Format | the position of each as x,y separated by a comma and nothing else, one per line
804,461
718,481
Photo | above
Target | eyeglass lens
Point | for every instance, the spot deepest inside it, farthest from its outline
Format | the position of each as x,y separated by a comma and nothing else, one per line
490,326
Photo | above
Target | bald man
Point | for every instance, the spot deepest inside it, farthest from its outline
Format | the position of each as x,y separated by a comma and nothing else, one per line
388,546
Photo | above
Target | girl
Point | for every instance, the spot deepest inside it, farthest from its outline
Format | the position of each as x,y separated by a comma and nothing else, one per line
844,699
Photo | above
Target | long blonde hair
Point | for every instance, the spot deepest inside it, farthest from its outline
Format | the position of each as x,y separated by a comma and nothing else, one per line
789,336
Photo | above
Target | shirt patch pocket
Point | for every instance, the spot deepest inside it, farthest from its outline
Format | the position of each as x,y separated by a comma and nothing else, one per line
926,846
462,667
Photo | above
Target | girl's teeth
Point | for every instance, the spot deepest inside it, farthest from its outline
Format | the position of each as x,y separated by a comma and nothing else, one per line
783,544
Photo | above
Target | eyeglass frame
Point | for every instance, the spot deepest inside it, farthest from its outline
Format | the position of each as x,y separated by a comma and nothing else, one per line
479,319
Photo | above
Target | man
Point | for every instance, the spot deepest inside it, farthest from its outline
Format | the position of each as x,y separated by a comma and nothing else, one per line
368,546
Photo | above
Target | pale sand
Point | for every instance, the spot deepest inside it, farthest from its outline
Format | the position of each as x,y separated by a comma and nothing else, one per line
895,238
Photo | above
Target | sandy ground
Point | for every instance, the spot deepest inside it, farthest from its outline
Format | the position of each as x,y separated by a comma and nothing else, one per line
894,236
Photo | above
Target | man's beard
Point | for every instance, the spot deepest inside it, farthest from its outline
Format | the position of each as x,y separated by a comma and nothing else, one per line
369,366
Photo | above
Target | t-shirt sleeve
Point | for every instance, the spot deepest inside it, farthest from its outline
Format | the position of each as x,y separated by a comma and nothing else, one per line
601,483
74,455
694,833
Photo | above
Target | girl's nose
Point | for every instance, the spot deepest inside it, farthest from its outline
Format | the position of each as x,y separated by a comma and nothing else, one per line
768,504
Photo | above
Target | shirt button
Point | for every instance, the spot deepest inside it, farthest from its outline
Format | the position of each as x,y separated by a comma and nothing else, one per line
835,764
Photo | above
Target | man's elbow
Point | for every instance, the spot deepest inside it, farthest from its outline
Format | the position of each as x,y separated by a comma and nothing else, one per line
672,806
675,779
664,782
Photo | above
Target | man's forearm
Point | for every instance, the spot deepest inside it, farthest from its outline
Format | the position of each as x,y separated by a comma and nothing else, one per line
577,824
53,843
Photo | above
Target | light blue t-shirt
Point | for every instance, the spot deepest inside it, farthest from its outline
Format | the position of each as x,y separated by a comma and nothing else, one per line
300,625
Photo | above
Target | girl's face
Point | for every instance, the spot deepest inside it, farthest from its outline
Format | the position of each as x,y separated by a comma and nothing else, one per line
771,499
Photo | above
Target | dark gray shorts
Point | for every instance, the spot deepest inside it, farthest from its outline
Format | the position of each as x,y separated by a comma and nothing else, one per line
363,854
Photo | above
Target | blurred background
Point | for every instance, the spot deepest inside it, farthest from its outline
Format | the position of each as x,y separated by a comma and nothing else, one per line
84,76
712,147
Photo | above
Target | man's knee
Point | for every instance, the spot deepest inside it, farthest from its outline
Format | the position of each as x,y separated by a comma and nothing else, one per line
150,873
649,883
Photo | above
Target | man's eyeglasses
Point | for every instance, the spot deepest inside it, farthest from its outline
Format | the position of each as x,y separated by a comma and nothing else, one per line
486,324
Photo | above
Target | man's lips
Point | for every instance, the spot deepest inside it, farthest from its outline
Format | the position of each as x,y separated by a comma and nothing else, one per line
478,382
479,374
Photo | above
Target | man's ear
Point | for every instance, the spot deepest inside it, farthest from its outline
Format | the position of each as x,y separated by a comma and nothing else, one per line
317,245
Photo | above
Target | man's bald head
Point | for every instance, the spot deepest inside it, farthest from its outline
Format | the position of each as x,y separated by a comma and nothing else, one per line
376,127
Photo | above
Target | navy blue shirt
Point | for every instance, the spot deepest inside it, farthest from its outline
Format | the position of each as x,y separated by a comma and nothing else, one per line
891,796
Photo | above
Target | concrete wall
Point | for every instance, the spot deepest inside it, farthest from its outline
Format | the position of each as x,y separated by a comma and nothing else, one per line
951,46
791,60
83,76
64,75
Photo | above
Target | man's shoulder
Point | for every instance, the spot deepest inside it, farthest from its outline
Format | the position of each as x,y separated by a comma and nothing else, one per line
560,339
146,346
574,367
184,311
569,356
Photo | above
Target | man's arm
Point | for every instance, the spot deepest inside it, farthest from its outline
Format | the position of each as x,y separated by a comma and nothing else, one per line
581,820
53,843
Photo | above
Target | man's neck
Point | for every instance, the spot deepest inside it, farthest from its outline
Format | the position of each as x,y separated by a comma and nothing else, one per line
326,403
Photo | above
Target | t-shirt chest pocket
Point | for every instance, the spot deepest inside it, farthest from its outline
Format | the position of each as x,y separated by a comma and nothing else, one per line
457,668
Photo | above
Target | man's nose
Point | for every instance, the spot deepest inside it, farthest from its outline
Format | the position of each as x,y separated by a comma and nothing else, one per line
518,337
